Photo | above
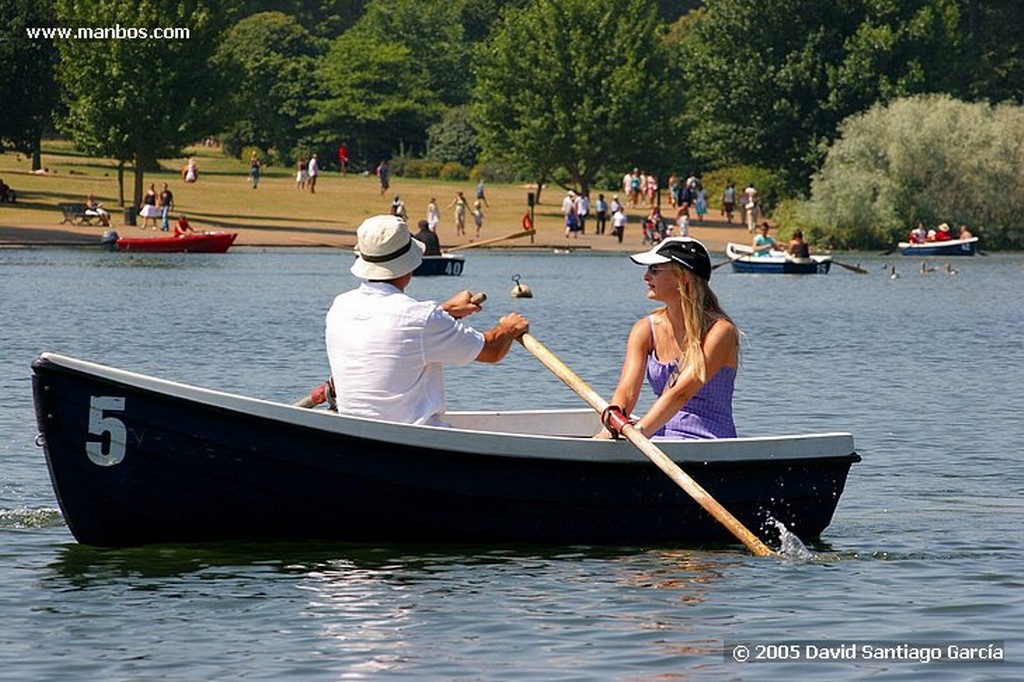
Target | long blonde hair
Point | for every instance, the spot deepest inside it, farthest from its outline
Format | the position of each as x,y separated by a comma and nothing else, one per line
701,310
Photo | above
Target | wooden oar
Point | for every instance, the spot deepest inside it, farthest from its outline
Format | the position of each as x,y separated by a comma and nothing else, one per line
852,268
322,393
718,265
649,449
473,245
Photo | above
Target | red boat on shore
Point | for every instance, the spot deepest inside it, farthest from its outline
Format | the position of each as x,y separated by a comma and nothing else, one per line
200,242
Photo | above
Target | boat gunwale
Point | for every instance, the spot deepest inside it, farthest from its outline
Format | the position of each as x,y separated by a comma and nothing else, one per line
484,443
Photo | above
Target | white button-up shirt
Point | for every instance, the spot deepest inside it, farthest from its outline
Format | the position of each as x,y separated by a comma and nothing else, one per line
387,352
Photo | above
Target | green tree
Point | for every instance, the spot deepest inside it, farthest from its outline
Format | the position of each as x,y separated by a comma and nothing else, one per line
373,95
930,158
768,81
272,62
992,64
28,90
140,99
322,18
574,86
433,32
453,138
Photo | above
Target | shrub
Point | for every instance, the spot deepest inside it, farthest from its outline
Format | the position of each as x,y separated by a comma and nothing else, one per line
420,168
930,158
453,171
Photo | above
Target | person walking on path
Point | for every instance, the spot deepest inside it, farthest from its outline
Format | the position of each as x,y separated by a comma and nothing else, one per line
460,204
478,217
619,223
314,171
166,204
254,169
582,211
343,159
433,215
729,201
600,214
480,195
750,208
384,176
148,210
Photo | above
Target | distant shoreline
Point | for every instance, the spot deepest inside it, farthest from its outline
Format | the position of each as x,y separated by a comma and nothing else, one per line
277,214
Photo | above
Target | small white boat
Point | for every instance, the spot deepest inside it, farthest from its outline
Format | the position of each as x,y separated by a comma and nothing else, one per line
950,247
775,262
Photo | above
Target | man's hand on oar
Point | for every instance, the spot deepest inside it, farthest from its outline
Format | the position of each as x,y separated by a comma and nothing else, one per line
464,304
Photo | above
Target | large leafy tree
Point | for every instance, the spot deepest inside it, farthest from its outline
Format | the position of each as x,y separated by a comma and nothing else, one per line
373,95
574,86
768,81
434,34
28,91
271,60
390,76
137,100
993,52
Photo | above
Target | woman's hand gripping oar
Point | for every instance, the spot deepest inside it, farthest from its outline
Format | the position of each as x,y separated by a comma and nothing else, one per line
324,393
642,443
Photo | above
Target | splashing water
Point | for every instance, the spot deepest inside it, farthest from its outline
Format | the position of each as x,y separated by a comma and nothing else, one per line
790,546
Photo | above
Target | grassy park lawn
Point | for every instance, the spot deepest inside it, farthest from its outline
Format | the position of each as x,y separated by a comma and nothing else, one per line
275,214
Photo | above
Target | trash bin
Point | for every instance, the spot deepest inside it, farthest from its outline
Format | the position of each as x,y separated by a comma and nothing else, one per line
129,215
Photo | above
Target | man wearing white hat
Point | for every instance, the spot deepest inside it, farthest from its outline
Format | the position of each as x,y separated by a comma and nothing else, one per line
386,349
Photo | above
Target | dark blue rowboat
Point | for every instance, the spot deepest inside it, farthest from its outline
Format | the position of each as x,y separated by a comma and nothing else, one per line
775,262
136,460
954,247
445,264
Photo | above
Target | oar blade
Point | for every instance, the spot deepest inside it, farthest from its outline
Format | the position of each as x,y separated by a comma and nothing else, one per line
852,268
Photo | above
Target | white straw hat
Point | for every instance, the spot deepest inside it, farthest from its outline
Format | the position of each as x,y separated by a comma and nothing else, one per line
386,249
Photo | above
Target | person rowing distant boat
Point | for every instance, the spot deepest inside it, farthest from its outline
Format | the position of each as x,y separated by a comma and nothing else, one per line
386,349
183,227
764,243
797,246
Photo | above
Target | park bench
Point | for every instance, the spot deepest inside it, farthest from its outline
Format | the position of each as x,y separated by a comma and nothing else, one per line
74,213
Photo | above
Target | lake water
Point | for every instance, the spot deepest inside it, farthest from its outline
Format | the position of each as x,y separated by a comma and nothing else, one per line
925,370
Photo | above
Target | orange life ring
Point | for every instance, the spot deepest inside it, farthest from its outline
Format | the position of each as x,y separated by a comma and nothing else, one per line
527,222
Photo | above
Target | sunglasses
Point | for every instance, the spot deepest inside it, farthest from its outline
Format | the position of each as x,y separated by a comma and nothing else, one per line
661,267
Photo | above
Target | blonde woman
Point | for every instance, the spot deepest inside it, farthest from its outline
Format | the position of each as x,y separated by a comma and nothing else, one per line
687,350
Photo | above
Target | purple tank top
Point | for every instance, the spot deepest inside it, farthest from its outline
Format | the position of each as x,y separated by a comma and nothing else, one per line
708,414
